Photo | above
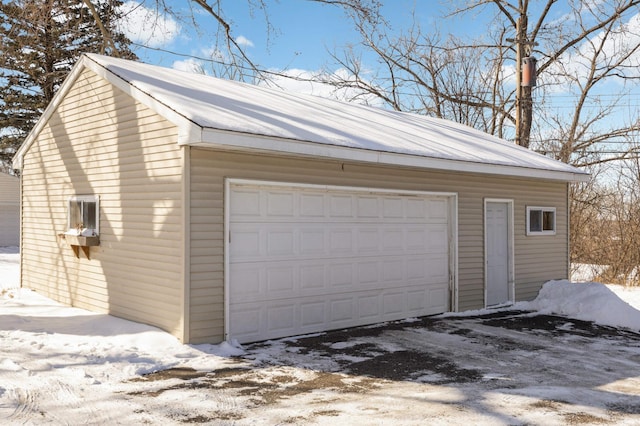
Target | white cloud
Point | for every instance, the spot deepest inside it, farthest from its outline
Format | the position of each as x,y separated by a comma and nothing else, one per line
200,66
147,26
214,54
189,65
576,64
243,41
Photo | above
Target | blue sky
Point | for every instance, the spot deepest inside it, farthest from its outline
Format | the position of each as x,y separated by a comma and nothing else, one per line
302,33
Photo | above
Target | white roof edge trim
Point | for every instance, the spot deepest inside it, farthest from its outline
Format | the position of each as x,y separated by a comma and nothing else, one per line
190,134
254,143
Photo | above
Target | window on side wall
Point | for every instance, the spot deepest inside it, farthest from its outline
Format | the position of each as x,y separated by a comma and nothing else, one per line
84,215
541,220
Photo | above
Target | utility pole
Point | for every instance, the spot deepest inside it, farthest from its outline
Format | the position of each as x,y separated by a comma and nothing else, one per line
524,100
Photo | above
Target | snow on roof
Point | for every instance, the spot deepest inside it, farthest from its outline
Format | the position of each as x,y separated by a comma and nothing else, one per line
204,106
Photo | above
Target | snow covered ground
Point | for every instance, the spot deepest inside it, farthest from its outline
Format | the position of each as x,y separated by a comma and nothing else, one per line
61,365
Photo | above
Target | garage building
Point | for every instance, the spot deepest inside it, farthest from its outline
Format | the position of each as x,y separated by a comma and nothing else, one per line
219,210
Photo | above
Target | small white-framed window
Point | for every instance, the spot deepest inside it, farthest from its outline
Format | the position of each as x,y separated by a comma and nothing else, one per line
541,220
84,215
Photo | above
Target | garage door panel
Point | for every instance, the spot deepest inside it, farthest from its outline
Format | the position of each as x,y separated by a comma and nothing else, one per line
432,269
436,298
341,275
340,240
246,320
313,277
438,210
437,239
280,242
245,203
247,282
368,207
369,307
417,300
325,276
367,273
280,203
417,208
305,314
281,320
392,208
246,243
250,205
341,311
341,206
393,304
393,239
312,241
312,206
313,316
393,270
281,280
367,240
304,259
417,238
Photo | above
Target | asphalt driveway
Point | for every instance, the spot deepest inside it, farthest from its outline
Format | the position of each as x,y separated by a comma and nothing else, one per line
512,368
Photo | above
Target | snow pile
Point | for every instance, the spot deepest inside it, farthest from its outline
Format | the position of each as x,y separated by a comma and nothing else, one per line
101,345
610,304
64,330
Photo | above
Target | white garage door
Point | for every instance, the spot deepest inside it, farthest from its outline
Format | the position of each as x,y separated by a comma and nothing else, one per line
307,259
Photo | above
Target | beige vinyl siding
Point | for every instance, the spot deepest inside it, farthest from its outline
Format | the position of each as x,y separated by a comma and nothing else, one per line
545,255
9,189
9,210
537,258
100,141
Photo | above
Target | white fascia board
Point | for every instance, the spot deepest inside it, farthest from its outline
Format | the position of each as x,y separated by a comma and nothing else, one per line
257,143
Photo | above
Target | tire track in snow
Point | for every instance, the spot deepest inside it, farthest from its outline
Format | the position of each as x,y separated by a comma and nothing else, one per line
53,401
25,405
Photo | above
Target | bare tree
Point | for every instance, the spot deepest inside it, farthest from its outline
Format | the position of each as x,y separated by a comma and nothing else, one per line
593,48
605,225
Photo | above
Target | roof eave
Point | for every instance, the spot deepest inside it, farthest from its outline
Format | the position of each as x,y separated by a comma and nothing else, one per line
215,138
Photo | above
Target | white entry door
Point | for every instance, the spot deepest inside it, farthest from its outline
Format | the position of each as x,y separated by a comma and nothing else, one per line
304,259
498,252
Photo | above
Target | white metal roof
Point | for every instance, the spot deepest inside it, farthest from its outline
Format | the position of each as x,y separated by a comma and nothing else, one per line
214,112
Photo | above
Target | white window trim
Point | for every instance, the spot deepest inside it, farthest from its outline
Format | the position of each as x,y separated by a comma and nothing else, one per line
87,232
542,209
